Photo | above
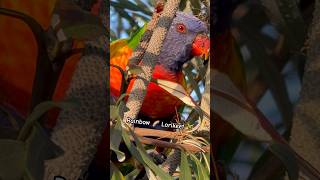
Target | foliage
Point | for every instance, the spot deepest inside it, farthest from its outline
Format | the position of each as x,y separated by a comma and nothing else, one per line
131,166
24,156
24,149
269,36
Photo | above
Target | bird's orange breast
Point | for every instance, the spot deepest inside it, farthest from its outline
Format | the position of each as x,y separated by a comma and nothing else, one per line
158,103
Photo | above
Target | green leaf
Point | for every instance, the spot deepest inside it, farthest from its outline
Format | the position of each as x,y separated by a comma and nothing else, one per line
178,91
158,171
183,5
288,159
26,159
124,14
12,155
115,140
201,172
150,174
192,117
115,172
39,148
130,6
122,105
142,4
121,156
194,84
185,171
42,108
195,6
132,174
122,96
239,112
206,158
135,39
114,112
140,154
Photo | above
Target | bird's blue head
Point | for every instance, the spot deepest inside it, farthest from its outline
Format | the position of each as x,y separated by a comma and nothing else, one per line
185,39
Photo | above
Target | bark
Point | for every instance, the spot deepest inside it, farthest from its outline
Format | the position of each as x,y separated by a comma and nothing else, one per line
144,42
305,137
78,131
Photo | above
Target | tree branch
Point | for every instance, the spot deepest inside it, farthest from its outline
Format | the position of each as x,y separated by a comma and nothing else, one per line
149,60
144,42
165,144
78,132
305,131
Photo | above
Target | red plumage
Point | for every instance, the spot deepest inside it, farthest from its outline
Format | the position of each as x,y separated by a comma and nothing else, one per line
158,103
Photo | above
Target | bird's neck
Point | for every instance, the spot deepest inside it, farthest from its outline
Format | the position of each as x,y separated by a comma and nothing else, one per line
172,61
172,66
162,72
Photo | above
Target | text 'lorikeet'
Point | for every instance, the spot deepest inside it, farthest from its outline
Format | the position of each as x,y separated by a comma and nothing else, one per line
185,39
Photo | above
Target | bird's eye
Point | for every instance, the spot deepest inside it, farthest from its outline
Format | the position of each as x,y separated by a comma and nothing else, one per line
181,28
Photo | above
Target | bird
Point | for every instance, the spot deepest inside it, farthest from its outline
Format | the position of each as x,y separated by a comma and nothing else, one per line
186,38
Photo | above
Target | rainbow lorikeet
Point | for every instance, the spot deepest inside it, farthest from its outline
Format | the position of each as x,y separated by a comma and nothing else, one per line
185,39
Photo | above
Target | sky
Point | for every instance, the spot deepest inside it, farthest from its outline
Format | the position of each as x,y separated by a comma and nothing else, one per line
114,19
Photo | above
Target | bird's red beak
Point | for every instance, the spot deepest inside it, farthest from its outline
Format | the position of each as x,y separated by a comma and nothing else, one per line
201,46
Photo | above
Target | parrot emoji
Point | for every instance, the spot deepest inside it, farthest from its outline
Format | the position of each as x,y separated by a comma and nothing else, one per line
185,39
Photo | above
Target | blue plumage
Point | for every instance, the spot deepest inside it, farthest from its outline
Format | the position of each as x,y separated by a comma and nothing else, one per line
178,44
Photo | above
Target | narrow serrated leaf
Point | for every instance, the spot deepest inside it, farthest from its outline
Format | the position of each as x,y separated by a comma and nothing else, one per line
115,172
115,140
176,90
185,171
114,112
131,6
133,174
238,113
201,172
195,6
42,108
135,39
158,171
140,154
39,148
150,174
